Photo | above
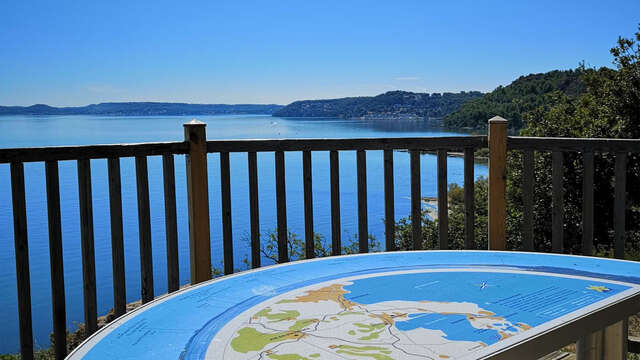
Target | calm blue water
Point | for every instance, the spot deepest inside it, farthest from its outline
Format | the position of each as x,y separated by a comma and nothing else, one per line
24,131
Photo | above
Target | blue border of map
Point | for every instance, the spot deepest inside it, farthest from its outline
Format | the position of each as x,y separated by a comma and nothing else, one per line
183,324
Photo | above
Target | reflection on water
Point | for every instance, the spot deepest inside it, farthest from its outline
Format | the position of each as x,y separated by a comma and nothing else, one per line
24,131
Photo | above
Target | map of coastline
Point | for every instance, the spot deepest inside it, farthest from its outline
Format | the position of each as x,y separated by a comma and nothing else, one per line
415,315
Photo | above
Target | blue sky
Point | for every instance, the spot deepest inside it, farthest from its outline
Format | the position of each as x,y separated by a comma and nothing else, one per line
216,51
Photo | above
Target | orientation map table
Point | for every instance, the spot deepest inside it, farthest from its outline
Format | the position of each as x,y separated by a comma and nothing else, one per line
399,305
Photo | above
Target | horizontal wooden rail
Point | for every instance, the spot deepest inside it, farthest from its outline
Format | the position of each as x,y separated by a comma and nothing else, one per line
450,143
82,152
572,144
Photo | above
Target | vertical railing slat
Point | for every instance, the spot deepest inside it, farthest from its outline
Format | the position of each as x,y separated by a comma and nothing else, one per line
56,259
416,199
281,208
527,200
170,221
21,243
117,238
557,221
363,224
225,194
87,247
334,165
254,212
469,200
308,204
619,206
389,211
144,229
587,204
443,207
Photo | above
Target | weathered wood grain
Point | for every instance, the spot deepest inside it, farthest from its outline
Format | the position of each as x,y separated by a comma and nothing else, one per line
497,183
198,201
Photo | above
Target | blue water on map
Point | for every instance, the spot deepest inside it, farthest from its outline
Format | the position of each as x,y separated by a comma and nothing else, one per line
456,327
538,299
27,131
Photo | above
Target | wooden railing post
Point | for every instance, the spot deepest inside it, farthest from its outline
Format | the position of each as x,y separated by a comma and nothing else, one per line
497,182
198,201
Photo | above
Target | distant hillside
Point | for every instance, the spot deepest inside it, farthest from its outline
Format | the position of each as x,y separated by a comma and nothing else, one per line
393,104
511,101
141,109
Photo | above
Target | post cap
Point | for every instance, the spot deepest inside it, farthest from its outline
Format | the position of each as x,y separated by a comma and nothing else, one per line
497,120
195,122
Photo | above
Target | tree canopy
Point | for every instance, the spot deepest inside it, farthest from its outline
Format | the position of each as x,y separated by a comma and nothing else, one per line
512,101
388,105
602,103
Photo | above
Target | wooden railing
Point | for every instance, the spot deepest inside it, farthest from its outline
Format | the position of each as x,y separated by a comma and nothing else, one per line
500,143
196,147
442,145
83,154
617,344
588,147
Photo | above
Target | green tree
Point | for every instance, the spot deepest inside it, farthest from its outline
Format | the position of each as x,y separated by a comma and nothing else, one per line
512,101
404,238
296,246
609,108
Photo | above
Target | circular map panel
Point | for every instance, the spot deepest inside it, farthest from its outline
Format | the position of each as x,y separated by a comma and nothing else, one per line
400,305
421,314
